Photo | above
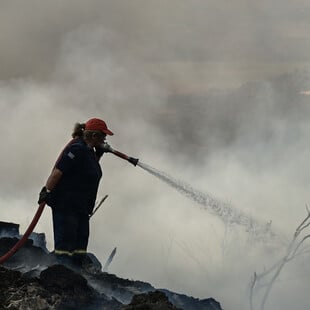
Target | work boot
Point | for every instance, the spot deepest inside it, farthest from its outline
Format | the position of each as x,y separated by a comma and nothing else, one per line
87,264
65,260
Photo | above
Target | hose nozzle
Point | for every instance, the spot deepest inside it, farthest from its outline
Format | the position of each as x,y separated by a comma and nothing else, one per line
133,161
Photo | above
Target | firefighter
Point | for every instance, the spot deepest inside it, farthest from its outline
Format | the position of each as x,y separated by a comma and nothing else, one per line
71,191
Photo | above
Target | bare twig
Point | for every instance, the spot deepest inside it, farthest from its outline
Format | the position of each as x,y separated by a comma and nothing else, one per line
293,250
99,205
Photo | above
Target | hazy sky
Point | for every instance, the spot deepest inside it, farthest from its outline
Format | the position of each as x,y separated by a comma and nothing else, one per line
207,91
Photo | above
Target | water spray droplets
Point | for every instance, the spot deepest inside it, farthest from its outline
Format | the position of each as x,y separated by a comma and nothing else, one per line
227,213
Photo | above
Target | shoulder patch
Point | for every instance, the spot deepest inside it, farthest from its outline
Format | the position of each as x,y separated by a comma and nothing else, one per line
71,155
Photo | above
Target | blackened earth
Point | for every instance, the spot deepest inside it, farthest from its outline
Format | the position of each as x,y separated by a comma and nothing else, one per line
32,279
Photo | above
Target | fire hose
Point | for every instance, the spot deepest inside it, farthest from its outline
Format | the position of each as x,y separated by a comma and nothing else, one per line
38,214
107,148
24,238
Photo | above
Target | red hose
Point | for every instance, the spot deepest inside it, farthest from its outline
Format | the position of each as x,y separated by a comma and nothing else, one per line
24,238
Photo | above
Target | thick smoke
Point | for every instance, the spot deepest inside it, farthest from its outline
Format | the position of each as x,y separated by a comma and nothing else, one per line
213,93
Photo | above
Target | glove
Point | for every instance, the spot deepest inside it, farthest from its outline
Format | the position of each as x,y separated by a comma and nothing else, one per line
44,195
103,148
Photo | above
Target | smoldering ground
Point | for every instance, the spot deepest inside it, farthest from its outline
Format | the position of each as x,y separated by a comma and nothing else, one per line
150,69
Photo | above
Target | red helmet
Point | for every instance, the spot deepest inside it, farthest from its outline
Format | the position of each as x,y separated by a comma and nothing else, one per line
98,124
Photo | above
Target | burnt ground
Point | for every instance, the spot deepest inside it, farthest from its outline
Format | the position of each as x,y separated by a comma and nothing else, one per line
32,279
56,288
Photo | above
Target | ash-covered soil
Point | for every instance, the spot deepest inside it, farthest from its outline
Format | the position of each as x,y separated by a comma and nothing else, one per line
32,279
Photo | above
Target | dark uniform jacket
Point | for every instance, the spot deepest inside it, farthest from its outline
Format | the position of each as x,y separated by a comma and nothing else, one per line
77,189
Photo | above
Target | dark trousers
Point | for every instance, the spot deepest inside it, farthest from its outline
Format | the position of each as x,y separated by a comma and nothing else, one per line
71,232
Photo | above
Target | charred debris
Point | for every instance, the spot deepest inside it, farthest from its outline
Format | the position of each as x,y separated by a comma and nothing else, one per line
32,279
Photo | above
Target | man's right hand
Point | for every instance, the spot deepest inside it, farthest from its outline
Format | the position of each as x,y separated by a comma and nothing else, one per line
44,195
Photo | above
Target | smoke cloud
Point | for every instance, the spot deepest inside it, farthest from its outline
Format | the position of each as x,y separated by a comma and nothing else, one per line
213,93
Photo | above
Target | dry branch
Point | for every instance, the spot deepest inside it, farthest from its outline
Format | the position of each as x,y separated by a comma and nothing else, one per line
267,279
